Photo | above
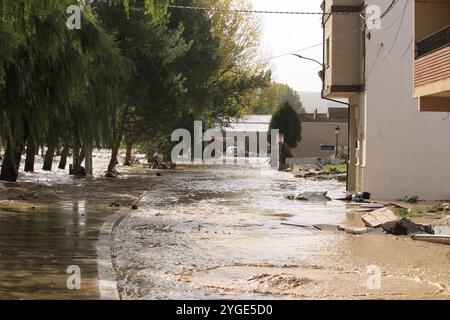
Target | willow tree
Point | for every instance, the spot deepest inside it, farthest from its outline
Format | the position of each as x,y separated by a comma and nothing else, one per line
55,81
23,23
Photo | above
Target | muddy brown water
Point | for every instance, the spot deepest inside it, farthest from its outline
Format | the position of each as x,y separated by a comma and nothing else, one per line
202,232
216,232
52,223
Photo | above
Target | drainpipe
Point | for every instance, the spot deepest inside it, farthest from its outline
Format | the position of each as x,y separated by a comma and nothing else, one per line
348,128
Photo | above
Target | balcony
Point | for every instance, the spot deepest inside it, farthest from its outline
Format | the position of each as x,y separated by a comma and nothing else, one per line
343,49
432,72
433,43
432,55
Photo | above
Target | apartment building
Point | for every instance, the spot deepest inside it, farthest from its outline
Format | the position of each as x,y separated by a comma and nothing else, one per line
432,56
395,151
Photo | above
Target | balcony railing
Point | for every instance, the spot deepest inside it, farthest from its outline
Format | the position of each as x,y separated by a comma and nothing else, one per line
434,42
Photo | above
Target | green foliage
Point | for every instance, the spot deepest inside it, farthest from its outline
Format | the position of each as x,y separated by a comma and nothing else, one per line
267,100
411,213
336,168
135,69
56,84
153,94
287,121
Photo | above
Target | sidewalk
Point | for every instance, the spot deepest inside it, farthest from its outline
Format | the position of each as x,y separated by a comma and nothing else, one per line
44,232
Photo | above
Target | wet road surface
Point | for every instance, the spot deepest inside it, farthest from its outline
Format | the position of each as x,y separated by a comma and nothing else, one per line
216,232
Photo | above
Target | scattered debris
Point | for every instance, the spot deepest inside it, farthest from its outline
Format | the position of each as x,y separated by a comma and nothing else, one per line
361,197
347,198
439,208
379,217
316,172
356,231
372,206
327,227
405,227
114,204
310,196
298,225
363,210
412,200
316,196
442,239
397,205
442,226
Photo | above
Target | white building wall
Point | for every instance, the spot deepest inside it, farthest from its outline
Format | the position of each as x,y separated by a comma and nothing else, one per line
407,152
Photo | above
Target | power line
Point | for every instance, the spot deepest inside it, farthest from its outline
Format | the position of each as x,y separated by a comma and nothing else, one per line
360,29
260,11
389,9
399,28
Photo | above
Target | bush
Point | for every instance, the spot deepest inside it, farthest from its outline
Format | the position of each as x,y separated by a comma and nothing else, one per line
288,122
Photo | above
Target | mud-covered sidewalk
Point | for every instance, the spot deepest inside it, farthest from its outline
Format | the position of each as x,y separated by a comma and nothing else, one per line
218,233
50,222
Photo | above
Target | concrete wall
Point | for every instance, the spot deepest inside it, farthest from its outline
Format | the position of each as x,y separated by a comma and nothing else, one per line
406,152
316,134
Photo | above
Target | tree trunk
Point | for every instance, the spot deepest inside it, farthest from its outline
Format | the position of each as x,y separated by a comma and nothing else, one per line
9,170
63,160
82,155
48,161
19,152
31,154
115,149
77,169
128,156
88,159
113,161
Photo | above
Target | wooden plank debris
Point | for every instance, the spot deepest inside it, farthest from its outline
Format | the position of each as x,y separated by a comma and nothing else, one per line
372,206
379,217
442,239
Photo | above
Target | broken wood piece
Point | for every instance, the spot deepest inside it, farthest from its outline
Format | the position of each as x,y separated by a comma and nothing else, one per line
330,227
397,205
298,225
379,217
442,239
372,206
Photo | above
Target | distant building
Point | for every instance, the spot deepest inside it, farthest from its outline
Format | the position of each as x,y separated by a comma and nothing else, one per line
319,134
252,123
245,127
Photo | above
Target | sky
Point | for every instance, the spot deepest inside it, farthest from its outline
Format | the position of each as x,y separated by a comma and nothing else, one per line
287,33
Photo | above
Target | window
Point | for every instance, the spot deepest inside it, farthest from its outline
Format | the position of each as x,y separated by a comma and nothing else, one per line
327,53
327,148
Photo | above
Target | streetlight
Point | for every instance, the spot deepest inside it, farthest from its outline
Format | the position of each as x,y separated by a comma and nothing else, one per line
314,60
337,131
321,72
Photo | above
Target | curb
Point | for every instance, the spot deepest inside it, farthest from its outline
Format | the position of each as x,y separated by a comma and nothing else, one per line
107,280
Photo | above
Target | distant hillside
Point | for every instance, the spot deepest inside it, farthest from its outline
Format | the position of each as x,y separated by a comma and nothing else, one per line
313,100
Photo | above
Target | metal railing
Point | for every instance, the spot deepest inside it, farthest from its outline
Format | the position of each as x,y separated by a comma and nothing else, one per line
433,42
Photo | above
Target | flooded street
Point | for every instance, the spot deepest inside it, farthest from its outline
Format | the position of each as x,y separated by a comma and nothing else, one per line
50,221
217,232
